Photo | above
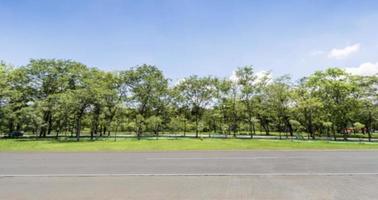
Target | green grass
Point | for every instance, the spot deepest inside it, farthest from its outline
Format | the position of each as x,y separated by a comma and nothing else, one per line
14,145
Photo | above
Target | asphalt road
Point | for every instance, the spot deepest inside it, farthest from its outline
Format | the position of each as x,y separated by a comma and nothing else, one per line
190,175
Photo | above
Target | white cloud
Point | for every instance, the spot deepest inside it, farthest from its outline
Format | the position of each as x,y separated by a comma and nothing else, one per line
365,69
260,76
234,78
264,76
344,52
178,81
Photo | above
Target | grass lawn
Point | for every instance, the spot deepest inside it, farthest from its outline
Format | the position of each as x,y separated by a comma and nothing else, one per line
10,145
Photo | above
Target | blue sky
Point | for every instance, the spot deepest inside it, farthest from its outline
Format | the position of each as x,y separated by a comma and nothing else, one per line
202,37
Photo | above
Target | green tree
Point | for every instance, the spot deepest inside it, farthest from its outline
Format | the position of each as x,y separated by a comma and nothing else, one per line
308,106
336,89
148,87
280,100
247,81
366,107
154,123
196,94
3,91
18,97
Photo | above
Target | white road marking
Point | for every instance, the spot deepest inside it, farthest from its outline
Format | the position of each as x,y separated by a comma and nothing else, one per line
195,174
229,158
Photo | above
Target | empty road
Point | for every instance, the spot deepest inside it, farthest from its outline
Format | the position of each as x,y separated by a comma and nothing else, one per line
190,175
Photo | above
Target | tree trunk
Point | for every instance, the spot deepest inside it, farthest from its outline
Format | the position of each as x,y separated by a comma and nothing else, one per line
78,127
95,120
103,131
11,126
311,127
139,130
345,135
254,128
57,134
184,128
59,127
92,135
368,125
49,124
264,124
78,122
139,133
250,130
197,125
47,119
289,127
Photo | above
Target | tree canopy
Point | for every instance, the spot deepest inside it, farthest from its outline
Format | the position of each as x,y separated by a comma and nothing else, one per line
52,97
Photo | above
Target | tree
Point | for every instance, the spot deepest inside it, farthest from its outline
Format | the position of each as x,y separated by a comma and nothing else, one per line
280,100
58,96
297,127
48,79
154,123
366,108
336,89
113,96
3,90
247,81
264,112
228,103
18,97
148,88
196,94
80,95
308,106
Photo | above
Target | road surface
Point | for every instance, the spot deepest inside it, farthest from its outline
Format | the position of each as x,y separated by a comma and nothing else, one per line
190,175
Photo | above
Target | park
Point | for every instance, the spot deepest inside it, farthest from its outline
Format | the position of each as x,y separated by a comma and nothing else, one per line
188,99
111,133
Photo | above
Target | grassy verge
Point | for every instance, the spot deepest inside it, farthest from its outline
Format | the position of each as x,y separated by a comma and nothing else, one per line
12,145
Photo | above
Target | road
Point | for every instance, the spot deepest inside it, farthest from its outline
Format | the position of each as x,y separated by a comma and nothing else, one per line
190,175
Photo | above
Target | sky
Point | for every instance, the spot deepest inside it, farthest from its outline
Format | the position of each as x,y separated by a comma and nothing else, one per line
202,37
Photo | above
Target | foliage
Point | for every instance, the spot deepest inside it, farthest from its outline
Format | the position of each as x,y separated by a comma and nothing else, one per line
51,97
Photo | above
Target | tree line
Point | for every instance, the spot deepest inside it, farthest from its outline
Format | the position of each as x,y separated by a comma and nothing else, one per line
51,97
